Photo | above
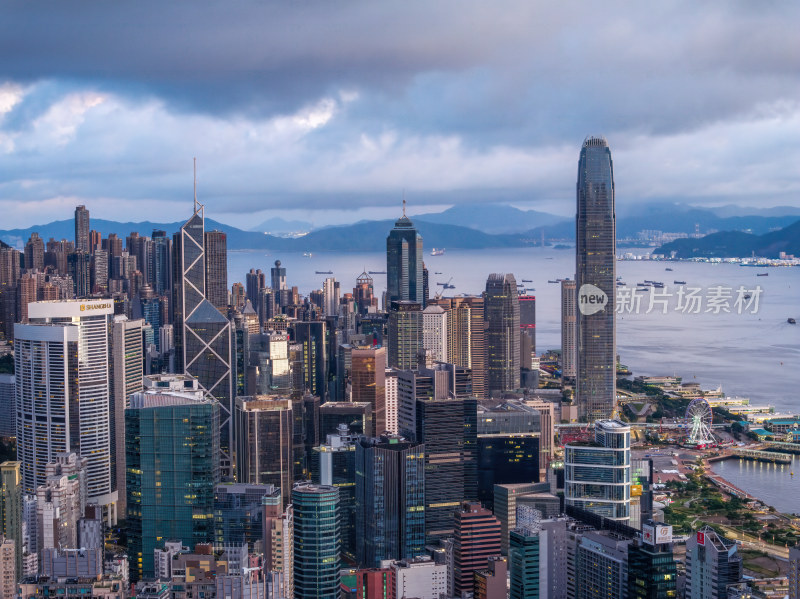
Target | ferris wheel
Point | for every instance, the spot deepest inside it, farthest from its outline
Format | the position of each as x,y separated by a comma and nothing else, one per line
698,421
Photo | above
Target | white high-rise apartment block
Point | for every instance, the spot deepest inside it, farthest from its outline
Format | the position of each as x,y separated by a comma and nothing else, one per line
434,333
63,393
330,293
390,391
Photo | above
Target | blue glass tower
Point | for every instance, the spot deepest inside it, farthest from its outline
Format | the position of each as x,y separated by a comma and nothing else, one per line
404,263
595,270
390,500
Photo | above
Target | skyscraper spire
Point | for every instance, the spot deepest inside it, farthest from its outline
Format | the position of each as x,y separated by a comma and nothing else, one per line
195,183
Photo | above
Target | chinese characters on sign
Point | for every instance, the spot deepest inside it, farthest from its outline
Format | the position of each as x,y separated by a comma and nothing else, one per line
688,300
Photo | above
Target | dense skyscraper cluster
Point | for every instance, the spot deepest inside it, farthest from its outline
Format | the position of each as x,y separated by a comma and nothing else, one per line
259,443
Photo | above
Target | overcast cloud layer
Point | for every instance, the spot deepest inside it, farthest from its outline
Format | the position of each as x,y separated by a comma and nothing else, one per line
329,106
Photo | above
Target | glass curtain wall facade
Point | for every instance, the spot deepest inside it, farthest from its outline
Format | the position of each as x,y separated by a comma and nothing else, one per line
390,500
448,428
317,542
172,453
598,474
404,263
595,271
501,313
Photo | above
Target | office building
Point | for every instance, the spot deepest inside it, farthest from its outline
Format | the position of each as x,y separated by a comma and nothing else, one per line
158,425
597,476
420,577
713,564
505,501
601,566
508,448
364,294
568,329
448,428
538,558
11,508
216,250
405,334
334,463
79,267
330,292
492,582
317,541
240,511
547,418
391,401
652,573
501,313
434,334
127,370
8,569
34,253
8,407
390,499
312,336
477,538
368,583
268,370
404,263
466,336
61,502
595,273
443,381
203,339
368,375
356,416
82,229
265,432
278,284
63,338
255,280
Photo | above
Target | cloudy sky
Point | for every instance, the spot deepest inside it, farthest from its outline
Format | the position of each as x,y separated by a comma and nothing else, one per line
326,111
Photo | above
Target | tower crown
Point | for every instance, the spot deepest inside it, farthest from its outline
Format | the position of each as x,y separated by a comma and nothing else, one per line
595,142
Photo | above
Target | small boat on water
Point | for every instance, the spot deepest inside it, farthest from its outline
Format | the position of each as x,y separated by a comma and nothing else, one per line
437,252
668,269
552,281
791,321
308,255
679,282
376,272
527,281
762,274
323,272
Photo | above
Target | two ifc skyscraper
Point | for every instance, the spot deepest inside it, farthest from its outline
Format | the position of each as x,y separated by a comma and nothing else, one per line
595,273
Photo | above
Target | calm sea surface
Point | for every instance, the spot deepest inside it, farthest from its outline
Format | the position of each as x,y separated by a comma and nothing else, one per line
751,355
772,483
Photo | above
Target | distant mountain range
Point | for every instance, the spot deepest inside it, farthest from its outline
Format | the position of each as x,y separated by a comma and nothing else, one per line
729,244
466,227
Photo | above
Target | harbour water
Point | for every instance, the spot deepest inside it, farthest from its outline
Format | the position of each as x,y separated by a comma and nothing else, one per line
754,355
772,483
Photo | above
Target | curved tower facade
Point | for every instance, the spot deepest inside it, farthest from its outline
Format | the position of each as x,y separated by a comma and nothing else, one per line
595,271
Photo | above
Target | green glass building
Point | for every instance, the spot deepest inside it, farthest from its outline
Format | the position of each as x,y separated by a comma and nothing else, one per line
317,541
523,557
173,465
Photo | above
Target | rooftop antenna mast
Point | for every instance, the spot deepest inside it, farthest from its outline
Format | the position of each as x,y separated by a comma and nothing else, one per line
195,183
404,202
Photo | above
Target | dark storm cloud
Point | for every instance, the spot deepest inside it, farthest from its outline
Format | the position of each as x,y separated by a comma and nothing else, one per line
343,104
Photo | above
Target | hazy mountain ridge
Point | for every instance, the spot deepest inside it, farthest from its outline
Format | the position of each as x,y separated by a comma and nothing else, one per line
371,235
730,244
